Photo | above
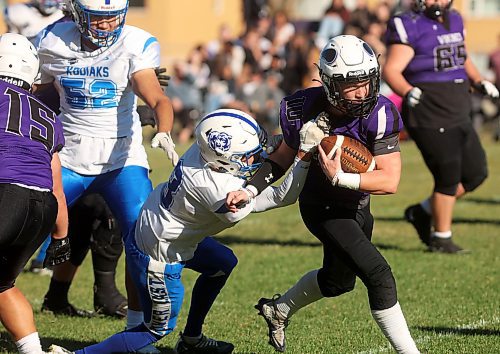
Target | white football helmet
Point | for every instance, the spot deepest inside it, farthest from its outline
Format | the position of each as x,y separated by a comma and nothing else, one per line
348,59
85,11
19,62
227,139
48,7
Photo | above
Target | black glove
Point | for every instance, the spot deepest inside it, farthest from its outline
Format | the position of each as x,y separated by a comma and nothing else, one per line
146,115
58,252
162,79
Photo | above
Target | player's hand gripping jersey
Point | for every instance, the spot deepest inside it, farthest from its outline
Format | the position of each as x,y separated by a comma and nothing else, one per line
378,131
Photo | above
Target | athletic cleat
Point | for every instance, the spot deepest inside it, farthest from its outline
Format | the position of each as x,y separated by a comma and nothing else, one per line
267,309
444,245
148,349
55,349
113,305
66,310
204,345
421,221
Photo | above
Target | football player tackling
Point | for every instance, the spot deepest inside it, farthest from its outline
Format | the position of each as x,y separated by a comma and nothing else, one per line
174,227
335,206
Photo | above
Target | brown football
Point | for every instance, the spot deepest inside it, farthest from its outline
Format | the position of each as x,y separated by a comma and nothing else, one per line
355,158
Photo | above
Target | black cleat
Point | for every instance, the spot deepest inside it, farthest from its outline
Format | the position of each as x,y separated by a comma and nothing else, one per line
421,221
444,245
66,310
204,345
113,305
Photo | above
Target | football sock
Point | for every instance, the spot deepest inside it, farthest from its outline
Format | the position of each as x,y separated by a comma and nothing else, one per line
134,318
29,344
441,234
393,324
58,293
203,296
128,341
303,293
426,205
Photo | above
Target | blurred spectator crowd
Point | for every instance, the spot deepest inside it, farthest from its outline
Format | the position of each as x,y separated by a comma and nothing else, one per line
274,57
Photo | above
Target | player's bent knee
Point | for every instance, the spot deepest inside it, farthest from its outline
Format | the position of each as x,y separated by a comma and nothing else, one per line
469,186
227,263
329,287
381,286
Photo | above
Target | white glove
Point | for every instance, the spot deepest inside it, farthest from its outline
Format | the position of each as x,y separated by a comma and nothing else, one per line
489,89
164,141
413,96
310,136
323,122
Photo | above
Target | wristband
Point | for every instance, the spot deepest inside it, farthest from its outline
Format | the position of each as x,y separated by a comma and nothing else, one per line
347,180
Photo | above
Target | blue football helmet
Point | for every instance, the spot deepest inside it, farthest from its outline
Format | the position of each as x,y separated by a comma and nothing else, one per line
85,12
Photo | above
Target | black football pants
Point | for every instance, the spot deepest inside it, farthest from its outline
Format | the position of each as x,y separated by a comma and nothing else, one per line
348,252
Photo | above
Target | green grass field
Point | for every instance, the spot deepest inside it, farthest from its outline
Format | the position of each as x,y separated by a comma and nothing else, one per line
451,302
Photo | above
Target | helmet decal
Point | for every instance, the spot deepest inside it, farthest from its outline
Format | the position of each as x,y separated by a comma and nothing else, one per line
330,55
219,142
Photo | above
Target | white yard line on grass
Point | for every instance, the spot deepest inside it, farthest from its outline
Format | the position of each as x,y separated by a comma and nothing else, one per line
474,325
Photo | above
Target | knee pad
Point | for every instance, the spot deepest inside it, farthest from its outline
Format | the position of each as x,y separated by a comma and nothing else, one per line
381,286
106,241
330,288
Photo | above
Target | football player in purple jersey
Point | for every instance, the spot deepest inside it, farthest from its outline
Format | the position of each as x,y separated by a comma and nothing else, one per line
32,201
427,64
335,205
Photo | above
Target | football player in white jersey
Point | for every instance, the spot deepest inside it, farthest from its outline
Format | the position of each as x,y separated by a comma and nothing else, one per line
30,18
173,228
99,66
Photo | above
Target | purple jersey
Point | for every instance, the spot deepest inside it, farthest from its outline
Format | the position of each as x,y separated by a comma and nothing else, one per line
29,134
382,123
439,47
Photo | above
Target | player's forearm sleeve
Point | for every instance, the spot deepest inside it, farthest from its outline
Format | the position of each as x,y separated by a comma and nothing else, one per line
287,192
268,173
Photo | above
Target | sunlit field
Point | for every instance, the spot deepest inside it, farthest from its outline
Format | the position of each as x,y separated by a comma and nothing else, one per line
451,302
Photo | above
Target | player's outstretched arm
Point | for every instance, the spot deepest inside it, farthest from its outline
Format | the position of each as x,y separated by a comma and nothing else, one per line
147,87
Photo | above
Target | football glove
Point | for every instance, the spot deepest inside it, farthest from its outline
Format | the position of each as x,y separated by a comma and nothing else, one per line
162,78
310,136
413,97
487,88
323,122
59,251
146,115
164,140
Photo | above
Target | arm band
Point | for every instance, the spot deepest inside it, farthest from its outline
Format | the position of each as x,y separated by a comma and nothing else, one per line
267,174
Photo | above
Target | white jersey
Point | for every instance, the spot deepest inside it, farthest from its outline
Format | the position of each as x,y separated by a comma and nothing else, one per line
180,213
96,95
98,105
27,20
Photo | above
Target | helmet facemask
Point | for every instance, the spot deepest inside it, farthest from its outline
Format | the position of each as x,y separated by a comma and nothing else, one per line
433,11
348,60
85,12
